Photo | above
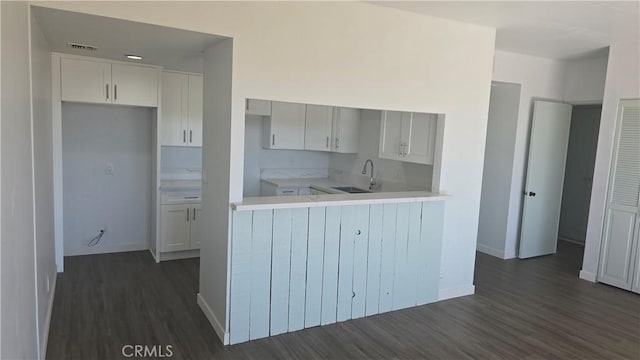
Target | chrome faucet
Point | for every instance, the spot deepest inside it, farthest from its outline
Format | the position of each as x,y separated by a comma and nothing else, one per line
372,182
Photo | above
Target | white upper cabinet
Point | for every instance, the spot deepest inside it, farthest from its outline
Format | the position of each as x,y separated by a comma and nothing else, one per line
181,109
345,130
285,128
258,107
134,85
85,81
173,110
98,81
421,138
195,109
409,137
318,123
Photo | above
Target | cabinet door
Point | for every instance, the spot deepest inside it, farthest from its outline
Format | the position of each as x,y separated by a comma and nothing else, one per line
419,138
134,85
317,131
173,124
195,110
258,107
390,135
196,214
285,127
175,222
346,130
85,81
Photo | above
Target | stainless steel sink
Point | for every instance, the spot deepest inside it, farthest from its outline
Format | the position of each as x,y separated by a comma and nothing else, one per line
351,189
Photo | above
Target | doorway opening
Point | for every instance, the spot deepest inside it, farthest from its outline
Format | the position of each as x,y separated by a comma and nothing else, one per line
580,163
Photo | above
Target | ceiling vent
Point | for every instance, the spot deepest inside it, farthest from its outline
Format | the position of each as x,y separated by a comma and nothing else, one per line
82,47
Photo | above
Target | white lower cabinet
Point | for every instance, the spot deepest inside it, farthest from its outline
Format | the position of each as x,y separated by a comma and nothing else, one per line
179,229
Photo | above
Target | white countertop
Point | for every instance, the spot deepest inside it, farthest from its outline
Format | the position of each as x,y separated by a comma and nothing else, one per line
290,202
180,185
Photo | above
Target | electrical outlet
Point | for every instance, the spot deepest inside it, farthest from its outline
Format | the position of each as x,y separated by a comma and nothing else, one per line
109,169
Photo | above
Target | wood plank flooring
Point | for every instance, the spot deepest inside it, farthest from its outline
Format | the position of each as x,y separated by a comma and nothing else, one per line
522,309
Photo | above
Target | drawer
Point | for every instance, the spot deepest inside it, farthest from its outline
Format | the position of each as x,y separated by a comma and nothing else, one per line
287,191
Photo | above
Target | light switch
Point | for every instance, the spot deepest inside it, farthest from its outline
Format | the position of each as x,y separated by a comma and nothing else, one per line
109,169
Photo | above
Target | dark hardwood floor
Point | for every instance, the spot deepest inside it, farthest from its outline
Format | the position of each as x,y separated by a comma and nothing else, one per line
522,309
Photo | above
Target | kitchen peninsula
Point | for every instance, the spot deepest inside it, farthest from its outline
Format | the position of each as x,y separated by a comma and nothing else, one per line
334,243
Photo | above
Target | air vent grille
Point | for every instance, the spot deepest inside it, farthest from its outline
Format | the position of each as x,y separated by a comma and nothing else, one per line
82,47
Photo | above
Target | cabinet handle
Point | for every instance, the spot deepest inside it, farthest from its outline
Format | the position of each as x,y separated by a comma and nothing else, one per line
327,146
115,92
190,136
273,139
107,86
187,214
246,104
337,143
400,149
184,136
193,217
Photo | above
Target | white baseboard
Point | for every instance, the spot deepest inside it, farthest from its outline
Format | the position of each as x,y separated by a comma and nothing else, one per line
177,255
570,241
587,275
455,292
499,253
44,338
106,249
217,326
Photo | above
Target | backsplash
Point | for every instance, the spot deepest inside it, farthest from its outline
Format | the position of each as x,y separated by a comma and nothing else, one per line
293,173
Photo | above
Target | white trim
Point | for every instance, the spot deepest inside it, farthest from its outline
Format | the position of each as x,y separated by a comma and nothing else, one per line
217,327
56,143
455,292
153,253
107,249
577,242
587,275
47,319
499,253
177,255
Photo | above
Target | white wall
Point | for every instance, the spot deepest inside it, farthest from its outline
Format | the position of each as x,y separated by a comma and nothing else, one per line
623,82
584,81
348,54
216,151
17,287
541,79
43,178
498,168
257,158
184,157
92,136
389,171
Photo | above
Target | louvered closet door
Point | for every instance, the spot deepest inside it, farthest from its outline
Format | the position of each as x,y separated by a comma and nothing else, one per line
619,245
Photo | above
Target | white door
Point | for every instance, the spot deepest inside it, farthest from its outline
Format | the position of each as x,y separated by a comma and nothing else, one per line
174,111
317,131
175,221
545,177
345,130
86,81
196,215
635,287
420,138
134,85
390,135
287,126
619,237
195,110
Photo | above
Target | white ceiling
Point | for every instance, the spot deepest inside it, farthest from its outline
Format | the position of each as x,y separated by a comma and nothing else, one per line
172,48
552,29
